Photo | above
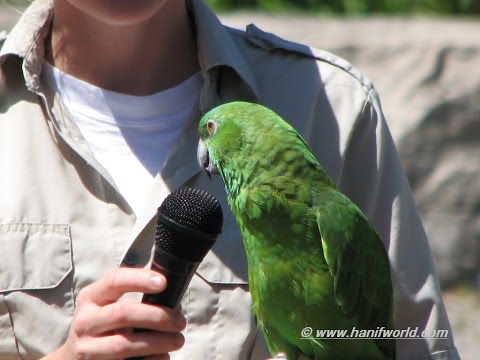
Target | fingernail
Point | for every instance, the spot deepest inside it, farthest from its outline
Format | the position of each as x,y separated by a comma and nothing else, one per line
157,281
180,321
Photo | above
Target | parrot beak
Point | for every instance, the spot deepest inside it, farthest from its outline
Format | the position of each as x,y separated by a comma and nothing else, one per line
204,159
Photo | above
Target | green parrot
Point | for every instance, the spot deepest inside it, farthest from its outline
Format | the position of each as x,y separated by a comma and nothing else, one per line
314,261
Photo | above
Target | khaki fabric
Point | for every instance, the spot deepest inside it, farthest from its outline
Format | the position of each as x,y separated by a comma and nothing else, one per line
63,223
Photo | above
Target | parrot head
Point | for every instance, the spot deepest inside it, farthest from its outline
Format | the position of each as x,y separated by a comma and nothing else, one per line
230,132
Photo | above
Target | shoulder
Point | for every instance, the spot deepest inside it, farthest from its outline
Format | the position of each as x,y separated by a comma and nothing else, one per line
324,97
255,43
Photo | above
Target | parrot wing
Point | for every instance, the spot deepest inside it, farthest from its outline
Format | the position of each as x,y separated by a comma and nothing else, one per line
357,260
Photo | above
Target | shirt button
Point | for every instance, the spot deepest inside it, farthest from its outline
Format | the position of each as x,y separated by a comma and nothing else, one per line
131,258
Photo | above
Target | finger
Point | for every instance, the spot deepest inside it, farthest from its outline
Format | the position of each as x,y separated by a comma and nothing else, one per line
122,345
115,283
134,315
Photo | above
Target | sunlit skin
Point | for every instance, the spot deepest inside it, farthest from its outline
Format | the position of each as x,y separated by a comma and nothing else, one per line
136,47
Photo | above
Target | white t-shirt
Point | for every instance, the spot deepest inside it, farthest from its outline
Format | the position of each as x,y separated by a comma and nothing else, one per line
129,135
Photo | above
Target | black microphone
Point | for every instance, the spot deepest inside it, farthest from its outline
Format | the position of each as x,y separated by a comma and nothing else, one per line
188,224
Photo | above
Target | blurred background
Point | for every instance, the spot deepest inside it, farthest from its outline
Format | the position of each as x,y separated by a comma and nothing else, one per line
354,7
424,59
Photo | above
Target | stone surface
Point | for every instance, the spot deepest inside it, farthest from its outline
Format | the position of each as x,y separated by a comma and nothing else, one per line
442,156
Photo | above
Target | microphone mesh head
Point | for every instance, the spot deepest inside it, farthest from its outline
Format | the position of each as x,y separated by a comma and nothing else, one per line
189,222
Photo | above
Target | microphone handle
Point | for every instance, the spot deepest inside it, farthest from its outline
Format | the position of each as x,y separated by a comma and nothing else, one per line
178,273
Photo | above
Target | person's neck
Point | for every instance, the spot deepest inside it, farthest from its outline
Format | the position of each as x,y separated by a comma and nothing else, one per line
140,59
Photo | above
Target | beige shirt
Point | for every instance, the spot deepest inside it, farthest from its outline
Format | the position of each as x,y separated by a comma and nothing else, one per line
63,222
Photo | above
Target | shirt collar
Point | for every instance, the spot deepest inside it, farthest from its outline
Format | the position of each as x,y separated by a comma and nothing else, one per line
25,34
27,40
216,49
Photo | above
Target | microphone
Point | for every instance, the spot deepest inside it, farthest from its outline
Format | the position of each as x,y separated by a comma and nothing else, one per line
188,224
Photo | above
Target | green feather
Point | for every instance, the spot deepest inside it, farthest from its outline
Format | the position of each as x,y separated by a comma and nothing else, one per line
313,258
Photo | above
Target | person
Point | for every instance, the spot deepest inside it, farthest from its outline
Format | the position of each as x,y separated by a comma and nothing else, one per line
99,107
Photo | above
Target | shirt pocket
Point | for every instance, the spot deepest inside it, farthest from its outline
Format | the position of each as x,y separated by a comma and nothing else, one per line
35,288
35,256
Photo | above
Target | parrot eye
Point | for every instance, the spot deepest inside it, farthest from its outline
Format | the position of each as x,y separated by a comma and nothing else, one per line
211,127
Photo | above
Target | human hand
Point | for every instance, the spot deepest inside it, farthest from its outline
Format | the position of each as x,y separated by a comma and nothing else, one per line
102,325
